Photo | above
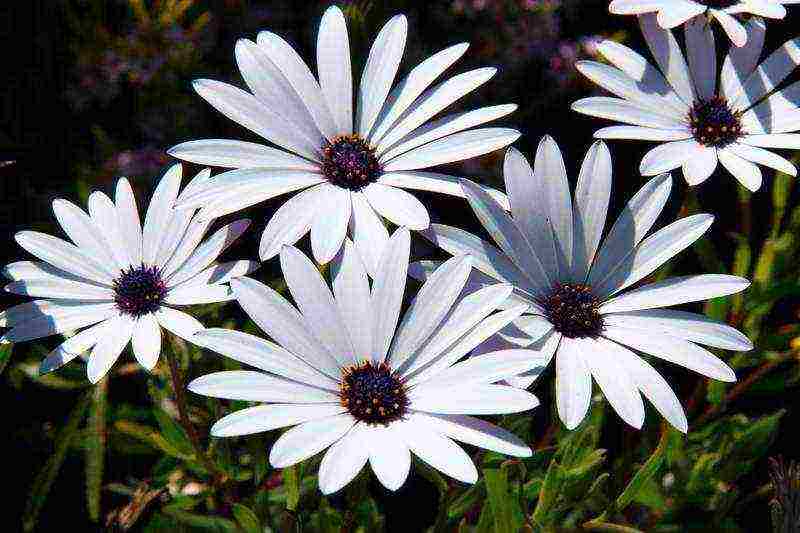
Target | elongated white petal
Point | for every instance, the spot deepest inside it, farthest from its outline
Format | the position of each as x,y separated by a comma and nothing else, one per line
55,287
83,231
455,147
631,226
430,305
636,7
689,326
159,213
437,450
59,320
735,30
678,12
472,399
668,156
291,221
278,319
315,301
199,294
668,55
550,171
220,273
573,383
63,255
333,66
433,181
107,221
379,72
258,387
772,71
268,417
774,140
639,133
676,291
397,206
352,293
475,432
592,195
208,252
758,155
412,86
344,460
188,244
699,167
672,349
389,456
613,379
301,79
484,369
72,348
654,251
627,112
329,226
146,341
740,62
238,154
748,174
178,322
115,337
369,233
129,223
544,348
309,438
701,53
387,292
16,314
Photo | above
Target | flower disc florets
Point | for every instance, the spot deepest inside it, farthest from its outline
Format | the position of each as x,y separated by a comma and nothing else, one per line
140,290
714,123
350,162
572,308
373,393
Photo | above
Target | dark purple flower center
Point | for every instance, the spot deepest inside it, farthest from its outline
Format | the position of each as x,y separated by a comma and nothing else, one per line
350,162
718,4
373,393
140,290
572,308
714,123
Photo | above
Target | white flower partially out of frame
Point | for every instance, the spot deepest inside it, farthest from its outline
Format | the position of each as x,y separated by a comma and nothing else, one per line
120,281
350,162
354,382
700,120
579,309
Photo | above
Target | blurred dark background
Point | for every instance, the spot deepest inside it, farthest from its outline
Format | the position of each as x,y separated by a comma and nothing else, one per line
95,89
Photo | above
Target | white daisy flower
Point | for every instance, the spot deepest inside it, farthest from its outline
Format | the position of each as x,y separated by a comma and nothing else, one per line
118,277
672,13
701,122
352,163
549,250
349,379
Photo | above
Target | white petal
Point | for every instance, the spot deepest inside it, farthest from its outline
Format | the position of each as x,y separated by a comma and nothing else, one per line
550,171
592,195
333,66
397,206
639,133
407,91
672,349
191,238
220,273
668,156
129,223
315,301
208,252
178,322
675,291
435,182
437,450
632,225
268,417
480,399
485,369
329,225
159,213
699,167
389,455
455,147
83,231
654,251
445,126
278,319
291,221
253,386
772,71
300,77
309,438
702,57
238,154
545,348
379,72
146,341
16,314
763,157
678,12
433,101
475,432
246,110
72,348
736,32
58,320
748,174
387,292
116,336
668,55
775,140
627,112
107,221
637,7
63,255
262,354
196,294
573,383
612,376
343,461
740,62
352,293
688,326
369,233
57,287
429,307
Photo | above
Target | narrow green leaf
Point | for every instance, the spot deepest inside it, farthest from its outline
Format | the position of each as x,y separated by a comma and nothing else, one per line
246,518
148,436
44,480
173,432
291,480
502,501
96,448
201,522
5,355
551,488
645,473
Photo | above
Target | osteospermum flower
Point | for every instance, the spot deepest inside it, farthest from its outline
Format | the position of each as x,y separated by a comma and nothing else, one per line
700,121
118,277
353,162
579,308
350,380
672,13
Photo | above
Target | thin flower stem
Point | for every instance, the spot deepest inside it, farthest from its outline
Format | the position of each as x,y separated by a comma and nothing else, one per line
183,413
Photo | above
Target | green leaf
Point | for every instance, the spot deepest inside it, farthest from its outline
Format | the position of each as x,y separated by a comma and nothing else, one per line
291,481
44,480
551,488
5,355
246,518
204,523
149,436
96,448
173,432
502,501
646,473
